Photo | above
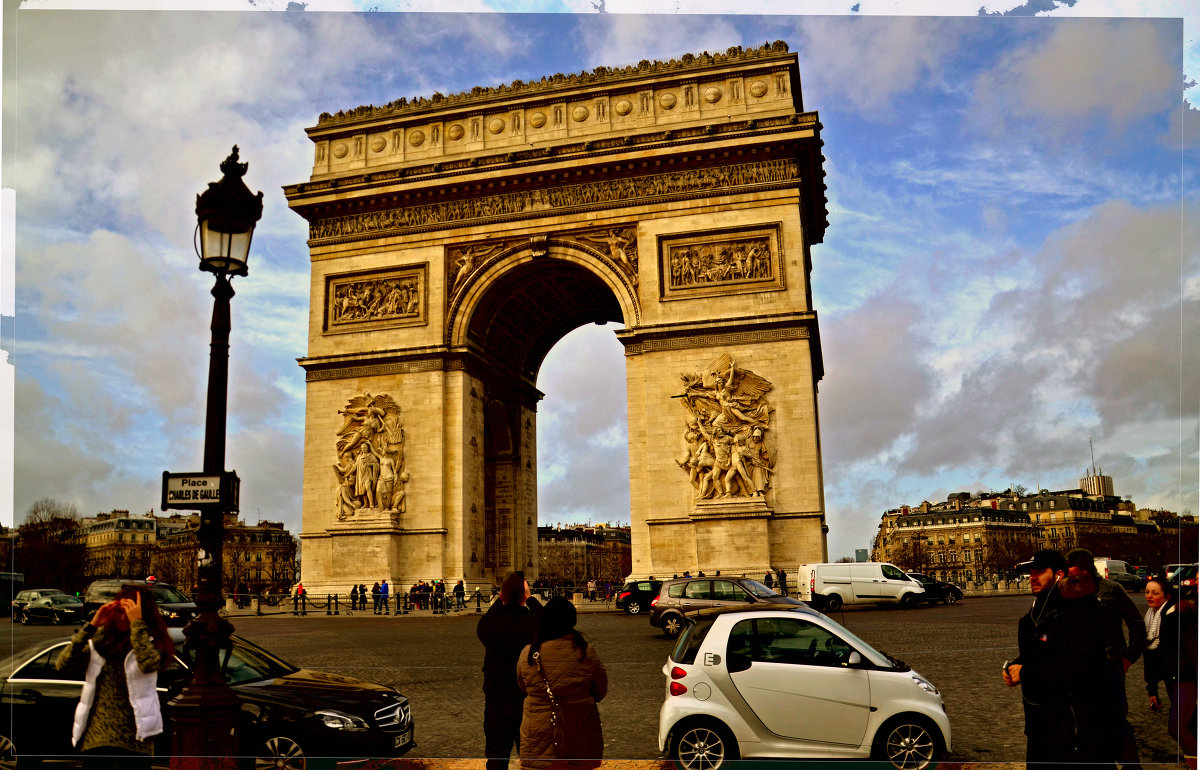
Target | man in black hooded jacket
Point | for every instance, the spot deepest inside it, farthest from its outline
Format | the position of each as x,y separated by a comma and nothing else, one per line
1062,668
505,629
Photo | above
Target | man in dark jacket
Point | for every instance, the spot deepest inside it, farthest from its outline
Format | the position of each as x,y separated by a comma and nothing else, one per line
505,629
1061,668
1118,612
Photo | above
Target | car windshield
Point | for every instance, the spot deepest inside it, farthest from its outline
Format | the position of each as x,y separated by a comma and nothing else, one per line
168,595
63,599
758,589
869,652
248,662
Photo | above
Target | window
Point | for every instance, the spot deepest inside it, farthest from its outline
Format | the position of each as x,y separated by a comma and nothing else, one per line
698,589
789,641
725,591
42,667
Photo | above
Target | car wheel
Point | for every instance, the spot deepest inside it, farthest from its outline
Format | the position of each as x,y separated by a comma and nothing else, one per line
906,601
672,625
907,743
833,602
8,754
951,598
703,746
634,607
282,752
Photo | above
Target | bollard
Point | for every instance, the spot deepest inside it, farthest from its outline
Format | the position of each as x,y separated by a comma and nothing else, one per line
328,604
256,603
478,601
335,605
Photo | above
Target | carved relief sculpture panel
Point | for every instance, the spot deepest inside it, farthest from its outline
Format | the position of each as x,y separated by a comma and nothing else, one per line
371,479
720,262
357,302
728,450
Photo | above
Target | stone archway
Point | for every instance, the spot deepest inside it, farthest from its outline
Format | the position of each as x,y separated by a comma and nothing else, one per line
455,241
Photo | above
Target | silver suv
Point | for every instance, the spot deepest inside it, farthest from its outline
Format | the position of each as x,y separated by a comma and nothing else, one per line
690,594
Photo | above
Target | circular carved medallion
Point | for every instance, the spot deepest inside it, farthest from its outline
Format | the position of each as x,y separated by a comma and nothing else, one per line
340,149
455,132
415,138
378,143
537,119
579,114
758,88
623,107
712,95
667,101
496,125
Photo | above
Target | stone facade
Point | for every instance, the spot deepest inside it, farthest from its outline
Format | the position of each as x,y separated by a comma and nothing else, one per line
455,240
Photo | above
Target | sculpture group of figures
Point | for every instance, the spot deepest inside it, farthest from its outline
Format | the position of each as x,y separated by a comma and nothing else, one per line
728,454
720,262
370,449
375,299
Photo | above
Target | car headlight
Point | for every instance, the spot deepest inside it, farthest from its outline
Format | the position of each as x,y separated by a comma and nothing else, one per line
337,720
924,684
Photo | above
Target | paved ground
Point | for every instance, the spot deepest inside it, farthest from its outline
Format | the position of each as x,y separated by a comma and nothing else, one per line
436,661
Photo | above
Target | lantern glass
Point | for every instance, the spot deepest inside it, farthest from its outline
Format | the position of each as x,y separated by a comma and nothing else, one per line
225,245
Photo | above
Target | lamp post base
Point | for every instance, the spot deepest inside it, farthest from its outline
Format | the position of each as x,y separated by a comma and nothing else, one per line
205,713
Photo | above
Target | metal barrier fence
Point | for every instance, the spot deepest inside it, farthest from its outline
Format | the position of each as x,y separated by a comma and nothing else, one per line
403,603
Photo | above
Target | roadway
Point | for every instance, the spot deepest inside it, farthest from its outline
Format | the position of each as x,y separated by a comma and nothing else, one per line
436,662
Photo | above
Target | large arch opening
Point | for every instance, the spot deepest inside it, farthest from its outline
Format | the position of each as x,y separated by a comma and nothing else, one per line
513,321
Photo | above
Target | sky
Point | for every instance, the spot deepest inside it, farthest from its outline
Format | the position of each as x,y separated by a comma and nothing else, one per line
1010,267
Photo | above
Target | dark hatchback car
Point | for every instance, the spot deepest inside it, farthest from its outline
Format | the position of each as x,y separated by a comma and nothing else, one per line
636,595
937,590
175,607
686,595
23,598
288,715
53,608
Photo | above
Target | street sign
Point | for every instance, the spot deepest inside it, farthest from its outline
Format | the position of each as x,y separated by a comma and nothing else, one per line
201,491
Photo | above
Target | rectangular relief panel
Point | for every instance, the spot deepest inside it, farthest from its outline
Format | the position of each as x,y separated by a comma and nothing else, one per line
369,300
717,262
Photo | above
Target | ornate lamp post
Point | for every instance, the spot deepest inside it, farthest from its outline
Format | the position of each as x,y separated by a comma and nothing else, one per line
206,711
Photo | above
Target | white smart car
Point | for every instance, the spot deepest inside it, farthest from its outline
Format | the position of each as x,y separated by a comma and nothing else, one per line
788,682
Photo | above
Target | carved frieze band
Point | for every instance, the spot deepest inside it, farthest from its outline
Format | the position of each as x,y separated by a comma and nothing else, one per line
720,262
375,370
684,342
537,202
363,301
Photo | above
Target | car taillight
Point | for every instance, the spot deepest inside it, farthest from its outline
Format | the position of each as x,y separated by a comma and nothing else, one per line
678,673
677,688
624,594
654,602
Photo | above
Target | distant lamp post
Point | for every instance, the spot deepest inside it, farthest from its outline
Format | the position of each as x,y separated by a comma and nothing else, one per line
206,711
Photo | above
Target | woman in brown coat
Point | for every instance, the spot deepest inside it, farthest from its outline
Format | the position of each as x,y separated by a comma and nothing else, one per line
563,679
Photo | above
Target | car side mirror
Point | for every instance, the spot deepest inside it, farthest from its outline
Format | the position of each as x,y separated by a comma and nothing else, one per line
735,662
855,660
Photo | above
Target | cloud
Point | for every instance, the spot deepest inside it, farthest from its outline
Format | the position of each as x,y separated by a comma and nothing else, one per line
1071,75
865,63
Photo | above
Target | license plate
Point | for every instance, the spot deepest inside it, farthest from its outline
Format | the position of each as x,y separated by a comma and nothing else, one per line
403,739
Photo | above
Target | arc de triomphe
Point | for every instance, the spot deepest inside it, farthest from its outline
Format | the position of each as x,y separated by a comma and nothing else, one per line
455,239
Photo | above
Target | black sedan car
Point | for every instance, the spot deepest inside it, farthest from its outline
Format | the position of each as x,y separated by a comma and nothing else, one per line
53,608
288,715
937,590
22,599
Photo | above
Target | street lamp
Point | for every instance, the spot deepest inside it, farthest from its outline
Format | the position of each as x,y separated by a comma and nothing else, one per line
206,711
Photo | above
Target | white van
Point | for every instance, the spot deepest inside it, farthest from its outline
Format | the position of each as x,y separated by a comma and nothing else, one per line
828,586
